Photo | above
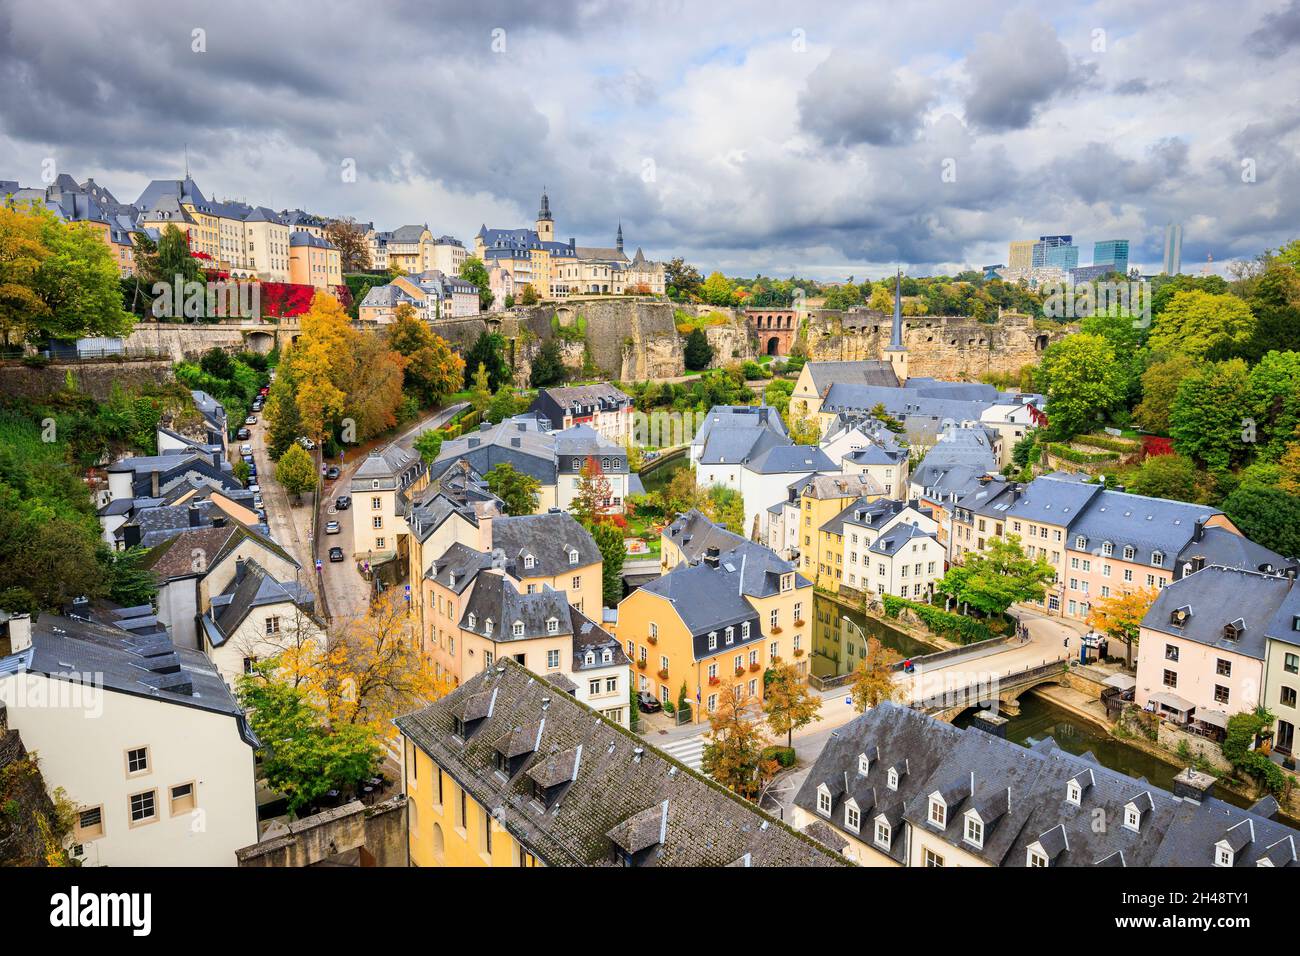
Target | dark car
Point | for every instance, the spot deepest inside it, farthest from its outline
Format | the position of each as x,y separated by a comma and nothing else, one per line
336,554
343,502
243,434
646,701
332,472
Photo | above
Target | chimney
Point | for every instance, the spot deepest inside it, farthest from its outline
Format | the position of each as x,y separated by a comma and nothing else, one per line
485,426
20,633
485,530
196,516
1193,785
153,483
711,556
239,569
1199,531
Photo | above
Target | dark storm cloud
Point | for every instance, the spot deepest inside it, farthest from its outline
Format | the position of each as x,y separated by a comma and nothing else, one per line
1278,32
1014,73
851,99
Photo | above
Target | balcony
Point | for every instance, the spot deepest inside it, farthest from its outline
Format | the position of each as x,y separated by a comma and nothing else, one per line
663,673
641,664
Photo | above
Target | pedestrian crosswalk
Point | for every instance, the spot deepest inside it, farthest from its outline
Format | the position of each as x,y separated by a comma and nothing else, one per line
688,750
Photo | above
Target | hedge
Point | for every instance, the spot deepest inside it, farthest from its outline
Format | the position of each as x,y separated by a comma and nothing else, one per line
782,755
958,627
1124,446
1079,457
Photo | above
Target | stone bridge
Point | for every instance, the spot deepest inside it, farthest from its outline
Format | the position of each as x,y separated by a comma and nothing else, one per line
942,697
189,340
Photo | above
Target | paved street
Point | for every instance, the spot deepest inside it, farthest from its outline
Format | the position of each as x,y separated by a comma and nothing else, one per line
689,750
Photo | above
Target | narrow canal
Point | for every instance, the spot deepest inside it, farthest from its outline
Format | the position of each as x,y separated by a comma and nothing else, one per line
839,645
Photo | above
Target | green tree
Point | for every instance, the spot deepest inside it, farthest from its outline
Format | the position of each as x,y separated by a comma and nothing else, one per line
1268,516
699,353
1203,325
433,371
473,270
1275,403
489,351
428,443
548,367
1159,389
718,290
994,579
726,507
609,539
1083,381
682,281
303,757
1173,477
1239,746
296,471
506,403
880,414
1206,419
1275,301
517,491
788,701
78,282
528,295
480,395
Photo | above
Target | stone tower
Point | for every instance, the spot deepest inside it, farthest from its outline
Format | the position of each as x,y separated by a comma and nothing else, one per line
896,352
545,224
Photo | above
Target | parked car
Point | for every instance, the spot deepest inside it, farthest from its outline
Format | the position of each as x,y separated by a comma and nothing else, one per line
307,443
250,420
243,433
646,701
248,460
332,472
256,489
336,554
245,449
265,388
343,502
332,527
257,502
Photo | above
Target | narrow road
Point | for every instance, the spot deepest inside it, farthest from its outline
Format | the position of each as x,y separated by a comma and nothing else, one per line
281,516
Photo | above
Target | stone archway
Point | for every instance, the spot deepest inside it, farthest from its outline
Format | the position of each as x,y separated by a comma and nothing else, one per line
774,346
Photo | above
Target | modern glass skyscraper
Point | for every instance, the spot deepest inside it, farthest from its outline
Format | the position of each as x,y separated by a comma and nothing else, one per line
1056,252
1113,253
1173,261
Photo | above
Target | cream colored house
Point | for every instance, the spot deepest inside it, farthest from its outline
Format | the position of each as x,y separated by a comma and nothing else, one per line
150,746
380,488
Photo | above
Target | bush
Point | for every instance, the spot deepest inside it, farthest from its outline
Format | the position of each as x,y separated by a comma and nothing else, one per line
1079,457
782,755
1121,445
958,627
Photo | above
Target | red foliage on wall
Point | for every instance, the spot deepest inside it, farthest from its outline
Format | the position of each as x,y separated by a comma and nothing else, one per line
1153,445
282,300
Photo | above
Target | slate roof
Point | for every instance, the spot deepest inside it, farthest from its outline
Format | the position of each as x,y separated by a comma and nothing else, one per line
615,785
1021,796
1227,549
870,372
144,665
548,537
897,538
825,487
174,557
392,466
757,569
458,566
1058,499
578,400
1147,524
254,587
588,636
790,460
742,431
1217,597
496,599
706,601
519,442
575,444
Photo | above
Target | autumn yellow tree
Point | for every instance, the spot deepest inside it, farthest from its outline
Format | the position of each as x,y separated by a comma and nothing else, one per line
21,255
733,751
316,357
376,376
1120,616
788,701
373,669
873,678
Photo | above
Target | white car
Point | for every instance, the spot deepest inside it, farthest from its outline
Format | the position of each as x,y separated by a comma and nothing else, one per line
256,489
307,443
257,502
332,527
245,449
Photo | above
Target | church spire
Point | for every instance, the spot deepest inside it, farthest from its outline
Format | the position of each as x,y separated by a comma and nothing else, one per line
545,211
618,242
896,338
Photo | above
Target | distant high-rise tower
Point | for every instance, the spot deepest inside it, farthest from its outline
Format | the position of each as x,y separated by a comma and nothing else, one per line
1020,254
545,224
1173,261
618,241
1111,252
1055,252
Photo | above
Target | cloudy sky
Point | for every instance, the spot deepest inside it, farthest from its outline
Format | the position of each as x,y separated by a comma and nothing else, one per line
774,138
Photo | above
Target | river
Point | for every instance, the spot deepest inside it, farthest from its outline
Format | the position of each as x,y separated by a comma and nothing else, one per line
838,646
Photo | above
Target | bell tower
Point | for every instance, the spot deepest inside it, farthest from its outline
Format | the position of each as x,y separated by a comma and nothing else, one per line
545,224
896,352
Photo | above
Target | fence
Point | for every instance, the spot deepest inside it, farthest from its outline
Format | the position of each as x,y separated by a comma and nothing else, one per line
46,357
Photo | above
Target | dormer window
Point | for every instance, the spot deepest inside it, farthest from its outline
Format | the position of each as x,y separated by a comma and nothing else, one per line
731,634
938,814
744,631
1223,855
1132,819
1073,793
607,656
487,626
1180,616
573,556
1129,552
590,658
1158,559
974,834
892,779
863,764
1234,629
882,834
517,629
529,561
713,640
852,818
787,582
472,621
552,625
1033,858
823,801
1107,549
1080,543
